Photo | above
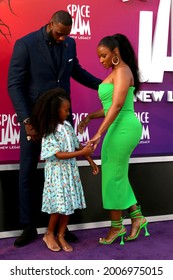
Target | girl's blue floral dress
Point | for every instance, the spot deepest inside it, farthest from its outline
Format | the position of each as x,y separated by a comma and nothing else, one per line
63,191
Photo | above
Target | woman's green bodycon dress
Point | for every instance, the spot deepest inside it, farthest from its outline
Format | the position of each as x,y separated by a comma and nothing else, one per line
122,137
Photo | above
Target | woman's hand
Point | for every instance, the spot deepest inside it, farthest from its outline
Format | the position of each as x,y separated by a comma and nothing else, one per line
83,123
94,141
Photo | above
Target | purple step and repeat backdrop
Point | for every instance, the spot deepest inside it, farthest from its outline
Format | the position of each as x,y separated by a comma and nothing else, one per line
148,25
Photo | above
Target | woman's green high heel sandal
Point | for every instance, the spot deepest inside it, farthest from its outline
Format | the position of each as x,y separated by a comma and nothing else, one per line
138,215
121,233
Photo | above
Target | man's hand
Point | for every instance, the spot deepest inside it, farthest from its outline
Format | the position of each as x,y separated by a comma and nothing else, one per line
31,133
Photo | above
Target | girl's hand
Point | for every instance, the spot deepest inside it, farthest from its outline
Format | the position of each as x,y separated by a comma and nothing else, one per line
94,141
87,150
83,123
94,167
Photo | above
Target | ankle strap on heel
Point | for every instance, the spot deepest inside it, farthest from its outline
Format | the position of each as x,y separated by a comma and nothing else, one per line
136,213
117,223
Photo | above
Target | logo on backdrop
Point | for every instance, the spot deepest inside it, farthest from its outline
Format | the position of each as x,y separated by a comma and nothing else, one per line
155,55
9,132
144,119
84,137
81,21
154,96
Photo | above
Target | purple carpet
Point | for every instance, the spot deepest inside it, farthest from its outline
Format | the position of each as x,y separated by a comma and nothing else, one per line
157,246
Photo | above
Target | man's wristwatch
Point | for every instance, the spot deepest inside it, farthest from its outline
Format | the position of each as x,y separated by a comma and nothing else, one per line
27,121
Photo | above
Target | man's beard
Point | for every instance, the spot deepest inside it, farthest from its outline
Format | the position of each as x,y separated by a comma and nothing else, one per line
51,38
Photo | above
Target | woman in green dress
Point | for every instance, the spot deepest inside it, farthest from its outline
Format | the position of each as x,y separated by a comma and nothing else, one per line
123,133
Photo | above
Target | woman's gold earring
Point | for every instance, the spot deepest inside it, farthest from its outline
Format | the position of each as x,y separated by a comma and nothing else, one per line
117,60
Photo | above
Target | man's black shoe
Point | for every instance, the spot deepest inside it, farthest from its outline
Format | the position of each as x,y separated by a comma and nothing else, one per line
70,237
29,234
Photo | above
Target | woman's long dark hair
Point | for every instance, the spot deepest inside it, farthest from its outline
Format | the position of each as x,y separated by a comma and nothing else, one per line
126,51
45,115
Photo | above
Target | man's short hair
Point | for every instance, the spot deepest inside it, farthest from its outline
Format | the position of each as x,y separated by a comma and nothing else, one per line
62,17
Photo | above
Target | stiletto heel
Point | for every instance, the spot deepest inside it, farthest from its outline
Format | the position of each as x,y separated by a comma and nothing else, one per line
122,239
146,230
138,215
121,233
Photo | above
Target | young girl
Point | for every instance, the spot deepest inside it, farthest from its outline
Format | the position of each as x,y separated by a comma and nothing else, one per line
63,192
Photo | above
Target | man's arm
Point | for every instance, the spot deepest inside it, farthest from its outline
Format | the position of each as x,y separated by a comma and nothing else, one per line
82,76
17,80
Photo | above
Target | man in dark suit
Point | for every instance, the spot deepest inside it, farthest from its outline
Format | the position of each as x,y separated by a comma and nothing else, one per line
41,60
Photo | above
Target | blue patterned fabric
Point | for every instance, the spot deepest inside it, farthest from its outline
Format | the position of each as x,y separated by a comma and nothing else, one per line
63,191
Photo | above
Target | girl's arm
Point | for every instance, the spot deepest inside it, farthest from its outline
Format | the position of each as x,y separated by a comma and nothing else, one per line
87,150
82,151
91,162
93,165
